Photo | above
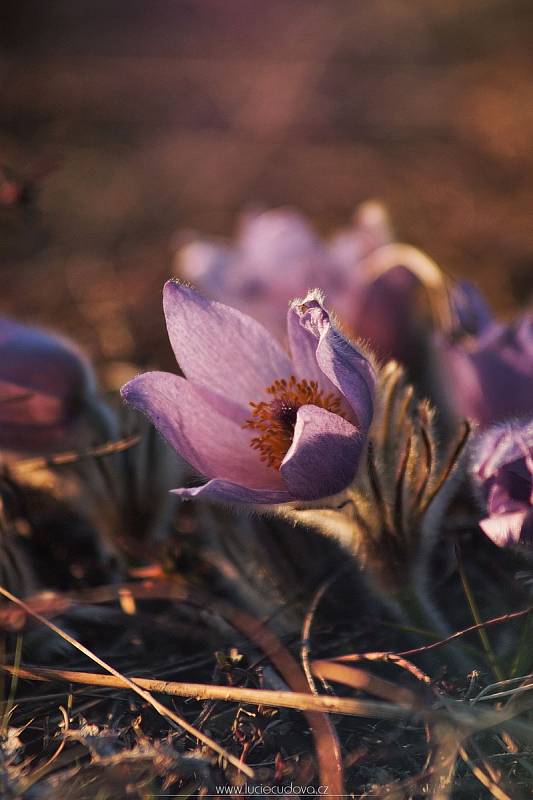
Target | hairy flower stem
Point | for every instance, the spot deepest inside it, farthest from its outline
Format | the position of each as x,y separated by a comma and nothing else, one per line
411,604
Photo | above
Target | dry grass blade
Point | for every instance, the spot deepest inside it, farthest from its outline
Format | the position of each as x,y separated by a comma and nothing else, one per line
441,762
43,770
364,681
299,701
127,682
73,456
484,777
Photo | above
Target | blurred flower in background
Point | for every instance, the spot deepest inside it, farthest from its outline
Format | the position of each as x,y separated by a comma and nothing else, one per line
276,256
503,467
489,373
374,284
47,390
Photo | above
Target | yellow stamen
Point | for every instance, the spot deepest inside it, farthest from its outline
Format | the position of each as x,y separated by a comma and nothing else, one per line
275,419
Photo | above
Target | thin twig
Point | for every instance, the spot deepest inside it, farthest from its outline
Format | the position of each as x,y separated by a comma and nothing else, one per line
299,701
305,650
73,456
440,643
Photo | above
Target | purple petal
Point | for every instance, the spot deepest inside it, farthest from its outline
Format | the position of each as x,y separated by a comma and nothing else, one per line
505,529
303,346
221,349
227,492
212,443
324,454
502,445
340,361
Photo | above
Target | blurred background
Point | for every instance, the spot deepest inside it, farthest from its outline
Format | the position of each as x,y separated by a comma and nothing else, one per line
122,123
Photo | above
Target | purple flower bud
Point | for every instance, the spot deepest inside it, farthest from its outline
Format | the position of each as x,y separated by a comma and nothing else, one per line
385,311
489,377
503,466
263,427
44,384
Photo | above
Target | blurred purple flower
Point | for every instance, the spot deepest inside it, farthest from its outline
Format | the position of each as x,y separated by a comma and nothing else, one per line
44,384
262,427
504,468
472,312
277,256
489,377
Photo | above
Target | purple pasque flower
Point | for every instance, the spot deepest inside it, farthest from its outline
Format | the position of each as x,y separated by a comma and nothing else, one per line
276,255
261,426
503,466
44,385
489,377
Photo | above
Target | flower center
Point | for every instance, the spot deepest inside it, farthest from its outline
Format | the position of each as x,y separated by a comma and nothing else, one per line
275,419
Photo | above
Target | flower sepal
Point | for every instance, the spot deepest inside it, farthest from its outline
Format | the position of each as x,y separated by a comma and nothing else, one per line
333,517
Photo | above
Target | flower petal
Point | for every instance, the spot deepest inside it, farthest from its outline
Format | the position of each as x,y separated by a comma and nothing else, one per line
212,443
504,529
324,454
220,348
340,361
228,492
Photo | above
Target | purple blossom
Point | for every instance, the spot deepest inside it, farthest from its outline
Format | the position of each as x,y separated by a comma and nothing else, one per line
262,427
504,469
44,383
277,255
489,377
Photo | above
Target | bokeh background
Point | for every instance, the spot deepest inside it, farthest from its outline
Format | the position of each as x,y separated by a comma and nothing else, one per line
123,123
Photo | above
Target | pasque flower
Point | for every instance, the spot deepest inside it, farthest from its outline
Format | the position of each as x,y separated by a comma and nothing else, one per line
261,426
503,466
276,255
489,375
374,285
45,384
